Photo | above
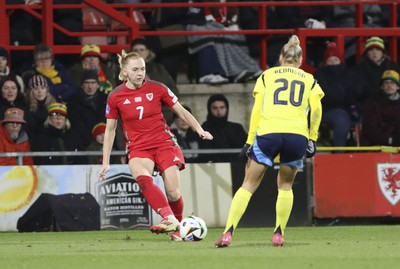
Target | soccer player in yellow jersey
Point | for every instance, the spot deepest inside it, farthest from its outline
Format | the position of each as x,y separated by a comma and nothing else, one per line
285,97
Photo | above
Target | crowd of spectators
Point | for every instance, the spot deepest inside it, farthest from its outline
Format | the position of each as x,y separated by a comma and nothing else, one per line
59,105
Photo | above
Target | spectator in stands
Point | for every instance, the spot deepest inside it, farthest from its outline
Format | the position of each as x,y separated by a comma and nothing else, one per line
96,143
57,135
60,83
371,66
13,137
88,107
381,122
154,71
5,69
344,16
91,59
226,134
341,89
11,95
185,136
38,99
220,55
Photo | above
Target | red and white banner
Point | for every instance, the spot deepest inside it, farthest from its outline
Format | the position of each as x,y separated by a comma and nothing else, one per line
357,185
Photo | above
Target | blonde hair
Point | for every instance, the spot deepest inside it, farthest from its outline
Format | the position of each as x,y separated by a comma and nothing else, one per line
65,128
33,103
123,59
291,52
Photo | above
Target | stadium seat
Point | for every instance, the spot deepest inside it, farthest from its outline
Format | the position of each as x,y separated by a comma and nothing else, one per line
138,17
93,20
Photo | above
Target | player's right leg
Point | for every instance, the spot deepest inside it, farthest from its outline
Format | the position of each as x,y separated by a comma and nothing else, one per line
253,177
291,160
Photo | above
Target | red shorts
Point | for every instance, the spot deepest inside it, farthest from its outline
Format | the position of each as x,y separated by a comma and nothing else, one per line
163,157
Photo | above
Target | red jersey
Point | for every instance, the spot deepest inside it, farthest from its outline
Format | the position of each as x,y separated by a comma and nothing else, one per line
139,110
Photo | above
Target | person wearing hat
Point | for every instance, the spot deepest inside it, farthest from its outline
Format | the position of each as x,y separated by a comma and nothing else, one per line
91,59
371,66
61,85
341,89
58,135
381,122
226,134
5,69
38,99
96,144
87,109
13,137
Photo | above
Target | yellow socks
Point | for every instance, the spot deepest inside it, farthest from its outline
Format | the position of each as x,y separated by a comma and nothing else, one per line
284,204
238,207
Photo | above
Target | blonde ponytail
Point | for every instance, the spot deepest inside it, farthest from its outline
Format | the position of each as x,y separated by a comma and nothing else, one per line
291,52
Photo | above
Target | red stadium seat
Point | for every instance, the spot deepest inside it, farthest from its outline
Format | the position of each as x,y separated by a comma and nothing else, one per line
137,17
93,20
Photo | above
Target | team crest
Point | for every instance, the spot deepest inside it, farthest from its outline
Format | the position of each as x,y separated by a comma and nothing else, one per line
149,96
389,181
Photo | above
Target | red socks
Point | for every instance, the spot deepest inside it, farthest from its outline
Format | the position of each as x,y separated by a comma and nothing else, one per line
177,208
154,196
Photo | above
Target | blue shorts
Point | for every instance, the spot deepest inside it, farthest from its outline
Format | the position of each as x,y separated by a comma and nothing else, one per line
290,147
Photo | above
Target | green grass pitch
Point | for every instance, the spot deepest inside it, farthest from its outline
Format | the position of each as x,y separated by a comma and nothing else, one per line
306,247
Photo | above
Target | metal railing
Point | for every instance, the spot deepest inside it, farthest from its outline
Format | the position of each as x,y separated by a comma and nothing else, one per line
20,155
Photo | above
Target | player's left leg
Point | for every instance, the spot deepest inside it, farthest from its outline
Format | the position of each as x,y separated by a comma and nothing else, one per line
291,159
172,188
170,160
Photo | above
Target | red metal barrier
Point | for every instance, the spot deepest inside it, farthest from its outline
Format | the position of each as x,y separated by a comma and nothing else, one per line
132,28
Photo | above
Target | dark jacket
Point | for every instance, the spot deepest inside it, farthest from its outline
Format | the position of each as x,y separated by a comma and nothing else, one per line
227,135
53,139
369,73
381,121
85,112
340,85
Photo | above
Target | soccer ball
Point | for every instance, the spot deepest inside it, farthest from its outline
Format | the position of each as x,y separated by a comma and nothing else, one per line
192,228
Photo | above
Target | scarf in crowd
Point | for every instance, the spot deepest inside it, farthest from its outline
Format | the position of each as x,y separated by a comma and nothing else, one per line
51,73
104,85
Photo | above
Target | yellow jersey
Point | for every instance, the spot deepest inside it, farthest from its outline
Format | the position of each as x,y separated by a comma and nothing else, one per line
284,97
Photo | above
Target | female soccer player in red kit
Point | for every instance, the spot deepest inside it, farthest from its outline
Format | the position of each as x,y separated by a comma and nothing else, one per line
149,141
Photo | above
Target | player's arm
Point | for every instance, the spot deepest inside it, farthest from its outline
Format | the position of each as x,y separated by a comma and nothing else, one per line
256,111
185,115
109,136
316,111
